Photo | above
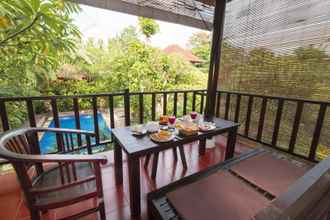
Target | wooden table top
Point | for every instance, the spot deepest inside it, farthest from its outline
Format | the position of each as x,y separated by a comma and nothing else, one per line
139,146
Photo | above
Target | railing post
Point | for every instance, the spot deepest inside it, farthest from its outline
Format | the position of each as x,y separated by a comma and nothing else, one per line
193,107
202,103
33,123
141,109
248,116
317,131
56,119
227,106
96,121
217,113
4,116
153,106
296,124
277,122
111,112
184,103
238,107
175,104
88,144
127,108
262,119
77,118
164,103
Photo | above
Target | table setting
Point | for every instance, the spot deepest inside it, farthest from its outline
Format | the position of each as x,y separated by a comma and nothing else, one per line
169,128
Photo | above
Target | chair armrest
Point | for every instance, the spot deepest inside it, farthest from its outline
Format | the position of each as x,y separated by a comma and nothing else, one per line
59,158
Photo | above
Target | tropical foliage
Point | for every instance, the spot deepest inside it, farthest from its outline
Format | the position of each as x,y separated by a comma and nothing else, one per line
37,37
148,27
34,35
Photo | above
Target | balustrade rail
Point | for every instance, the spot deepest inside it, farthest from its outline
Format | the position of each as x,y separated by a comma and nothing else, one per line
297,126
138,107
278,122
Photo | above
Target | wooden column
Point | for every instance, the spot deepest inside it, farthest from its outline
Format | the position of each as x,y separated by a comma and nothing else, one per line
218,25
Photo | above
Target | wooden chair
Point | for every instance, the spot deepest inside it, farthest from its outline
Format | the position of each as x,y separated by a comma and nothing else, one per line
55,180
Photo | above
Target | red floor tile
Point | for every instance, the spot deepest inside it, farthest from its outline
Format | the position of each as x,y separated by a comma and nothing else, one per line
115,199
74,209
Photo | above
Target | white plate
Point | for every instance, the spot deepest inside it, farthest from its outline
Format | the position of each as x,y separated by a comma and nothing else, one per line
210,127
138,130
141,133
154,138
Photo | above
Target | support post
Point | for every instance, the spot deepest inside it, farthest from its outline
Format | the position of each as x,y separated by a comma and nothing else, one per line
218,26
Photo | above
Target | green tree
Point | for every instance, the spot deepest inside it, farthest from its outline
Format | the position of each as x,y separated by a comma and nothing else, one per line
148,27
129,63
35,35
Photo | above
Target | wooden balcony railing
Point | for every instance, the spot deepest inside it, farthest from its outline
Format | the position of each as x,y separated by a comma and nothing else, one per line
262,119
261,116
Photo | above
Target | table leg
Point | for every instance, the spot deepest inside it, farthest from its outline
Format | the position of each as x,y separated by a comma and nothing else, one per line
183,157
154,165
118,156
134,185
146,160
202,147
175,155
231,142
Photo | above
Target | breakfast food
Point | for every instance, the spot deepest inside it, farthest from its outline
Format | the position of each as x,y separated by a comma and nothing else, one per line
163,120
138,130
178,125
206,126
162,136
152,126
187,128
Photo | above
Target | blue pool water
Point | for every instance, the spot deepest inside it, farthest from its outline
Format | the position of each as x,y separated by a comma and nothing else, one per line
48,140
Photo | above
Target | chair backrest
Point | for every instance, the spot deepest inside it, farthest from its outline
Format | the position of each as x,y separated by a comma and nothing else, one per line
20,147
16,146
307,198
20,142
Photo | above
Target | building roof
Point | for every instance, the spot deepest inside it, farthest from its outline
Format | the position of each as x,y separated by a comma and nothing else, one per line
194,13
186,54
70,72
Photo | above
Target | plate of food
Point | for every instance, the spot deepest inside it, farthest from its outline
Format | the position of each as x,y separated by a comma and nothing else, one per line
187,128
162,136
152,126
138,130
206,126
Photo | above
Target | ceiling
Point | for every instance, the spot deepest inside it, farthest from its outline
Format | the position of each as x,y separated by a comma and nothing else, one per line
193,13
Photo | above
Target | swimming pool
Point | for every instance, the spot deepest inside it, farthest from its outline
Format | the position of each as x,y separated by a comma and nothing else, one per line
48,140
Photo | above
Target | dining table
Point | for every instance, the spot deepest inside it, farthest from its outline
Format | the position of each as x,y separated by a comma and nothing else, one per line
138,147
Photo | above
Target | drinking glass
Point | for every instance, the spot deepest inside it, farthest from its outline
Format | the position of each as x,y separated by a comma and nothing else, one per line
171,121
193,115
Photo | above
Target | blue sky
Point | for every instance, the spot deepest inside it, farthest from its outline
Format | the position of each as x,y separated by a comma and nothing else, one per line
102,24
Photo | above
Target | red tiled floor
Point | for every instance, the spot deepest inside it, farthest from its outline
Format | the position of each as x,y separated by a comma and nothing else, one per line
12,205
